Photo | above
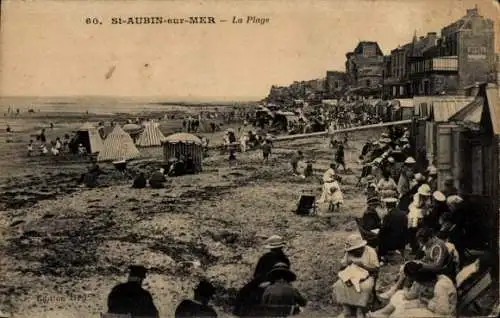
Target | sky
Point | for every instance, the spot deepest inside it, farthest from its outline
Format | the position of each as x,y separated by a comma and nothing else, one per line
48,50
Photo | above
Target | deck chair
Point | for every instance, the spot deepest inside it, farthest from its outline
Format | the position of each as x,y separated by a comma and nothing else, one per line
365,172
306,205
467,296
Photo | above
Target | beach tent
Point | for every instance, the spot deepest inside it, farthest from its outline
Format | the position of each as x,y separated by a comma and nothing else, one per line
184,144
118,146
89,137
151,136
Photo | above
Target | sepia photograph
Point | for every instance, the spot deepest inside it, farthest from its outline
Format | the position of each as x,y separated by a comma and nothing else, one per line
250,158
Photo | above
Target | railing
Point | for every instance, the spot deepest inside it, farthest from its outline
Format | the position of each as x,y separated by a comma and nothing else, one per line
444,63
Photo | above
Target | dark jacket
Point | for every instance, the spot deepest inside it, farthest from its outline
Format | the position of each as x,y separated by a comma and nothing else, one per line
131,298
156,180
267,262
279,294
139,182
370,220
190,308
393,234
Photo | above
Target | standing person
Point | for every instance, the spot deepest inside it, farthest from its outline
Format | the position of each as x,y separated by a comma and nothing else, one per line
266,150
354,298
295,161
339,157
30,148
198,307
432,178
43,139
449,187
243,143
406,174
130,297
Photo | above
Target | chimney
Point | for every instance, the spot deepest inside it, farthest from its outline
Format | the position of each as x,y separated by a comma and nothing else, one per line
472,12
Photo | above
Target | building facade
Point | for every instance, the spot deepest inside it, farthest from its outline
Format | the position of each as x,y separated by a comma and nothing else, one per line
463,56
365,69
335,84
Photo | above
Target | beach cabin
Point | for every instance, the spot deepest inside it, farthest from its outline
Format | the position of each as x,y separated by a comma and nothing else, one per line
183,144
88,135
150,140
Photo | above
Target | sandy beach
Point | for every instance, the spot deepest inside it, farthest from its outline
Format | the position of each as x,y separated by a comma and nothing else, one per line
64,247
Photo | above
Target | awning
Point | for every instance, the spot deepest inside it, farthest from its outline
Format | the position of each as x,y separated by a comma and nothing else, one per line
443,109
470,113
493,101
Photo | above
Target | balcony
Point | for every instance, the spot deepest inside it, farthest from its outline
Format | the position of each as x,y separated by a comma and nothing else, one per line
437,64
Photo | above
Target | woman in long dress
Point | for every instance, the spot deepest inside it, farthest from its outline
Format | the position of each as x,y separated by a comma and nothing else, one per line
354,299
386,186
430,295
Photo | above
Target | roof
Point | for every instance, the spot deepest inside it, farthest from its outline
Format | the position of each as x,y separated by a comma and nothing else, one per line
118,146
183,138
151,136
443,108
470,113
493,102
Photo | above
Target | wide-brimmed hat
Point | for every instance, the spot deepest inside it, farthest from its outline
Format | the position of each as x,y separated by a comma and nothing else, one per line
419,177
404,139
373,201
439,196
384,135
353,242
432,170
454,200
281,271
274,241
410,160
424,190
391,159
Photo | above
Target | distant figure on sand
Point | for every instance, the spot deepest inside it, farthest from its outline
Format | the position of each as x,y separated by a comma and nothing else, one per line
140,181
30,148
157,179
198,307
130,297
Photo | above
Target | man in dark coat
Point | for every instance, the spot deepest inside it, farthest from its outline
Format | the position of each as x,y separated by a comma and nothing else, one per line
393,233
281,299
130,297
199,306
157,179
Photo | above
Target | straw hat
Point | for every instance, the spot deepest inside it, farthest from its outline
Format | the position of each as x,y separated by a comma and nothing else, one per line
454,200
275,241
390,159
432,170
384,135
410,160
424,190
419,177
353,242
404,140
439,196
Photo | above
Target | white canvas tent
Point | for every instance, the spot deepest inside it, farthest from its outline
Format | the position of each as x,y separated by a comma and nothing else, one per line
151,136
89,137
118,146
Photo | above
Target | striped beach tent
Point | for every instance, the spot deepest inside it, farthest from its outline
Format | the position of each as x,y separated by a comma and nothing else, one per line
151,136
118,146
88,136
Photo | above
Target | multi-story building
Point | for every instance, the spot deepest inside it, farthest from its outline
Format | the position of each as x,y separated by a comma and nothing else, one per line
397,80
364,69
335,84
463,56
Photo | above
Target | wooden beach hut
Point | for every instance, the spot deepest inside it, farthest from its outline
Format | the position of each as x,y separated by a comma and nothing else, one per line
150,140
118,146
183,144
88,135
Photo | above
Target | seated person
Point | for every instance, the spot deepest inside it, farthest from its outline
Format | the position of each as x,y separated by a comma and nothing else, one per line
157,179
140,181
430,295
198,307
354,299
279,297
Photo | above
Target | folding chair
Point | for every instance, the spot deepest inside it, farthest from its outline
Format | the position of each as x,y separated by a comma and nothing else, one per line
306,205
